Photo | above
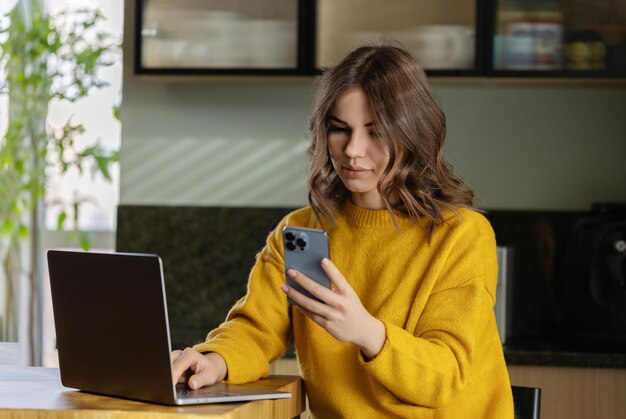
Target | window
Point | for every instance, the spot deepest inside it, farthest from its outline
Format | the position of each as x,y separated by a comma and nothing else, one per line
94,112
99,212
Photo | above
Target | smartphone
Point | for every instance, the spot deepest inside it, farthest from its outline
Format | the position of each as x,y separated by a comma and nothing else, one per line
304,249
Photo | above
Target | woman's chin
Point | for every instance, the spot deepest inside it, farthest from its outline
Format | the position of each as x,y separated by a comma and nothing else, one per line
358,186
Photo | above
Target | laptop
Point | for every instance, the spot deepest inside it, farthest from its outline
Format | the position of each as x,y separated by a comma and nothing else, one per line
110,315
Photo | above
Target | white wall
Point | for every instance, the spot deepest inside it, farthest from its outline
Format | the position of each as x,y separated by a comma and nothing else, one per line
244,142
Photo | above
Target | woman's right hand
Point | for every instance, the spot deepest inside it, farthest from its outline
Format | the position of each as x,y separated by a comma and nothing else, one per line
196,369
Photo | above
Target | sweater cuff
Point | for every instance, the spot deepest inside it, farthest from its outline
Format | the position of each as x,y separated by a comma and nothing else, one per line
383,359
363,359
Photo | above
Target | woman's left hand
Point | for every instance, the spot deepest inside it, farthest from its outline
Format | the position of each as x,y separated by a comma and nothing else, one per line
340,312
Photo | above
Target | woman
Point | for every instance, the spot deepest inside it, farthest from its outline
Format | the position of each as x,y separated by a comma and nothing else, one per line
408,329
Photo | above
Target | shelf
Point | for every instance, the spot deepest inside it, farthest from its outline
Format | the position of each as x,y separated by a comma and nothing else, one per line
454,39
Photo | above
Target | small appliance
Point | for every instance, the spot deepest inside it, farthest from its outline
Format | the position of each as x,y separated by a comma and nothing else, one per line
594,287
503,291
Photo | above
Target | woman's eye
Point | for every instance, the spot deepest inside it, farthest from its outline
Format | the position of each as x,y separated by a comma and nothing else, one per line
337,130
374,134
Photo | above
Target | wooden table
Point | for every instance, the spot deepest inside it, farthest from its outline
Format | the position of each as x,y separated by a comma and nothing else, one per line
30,392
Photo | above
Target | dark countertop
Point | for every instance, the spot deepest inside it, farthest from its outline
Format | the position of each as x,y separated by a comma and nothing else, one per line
550,355
557,354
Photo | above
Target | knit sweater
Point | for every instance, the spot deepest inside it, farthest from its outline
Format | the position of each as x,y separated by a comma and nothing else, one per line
442,357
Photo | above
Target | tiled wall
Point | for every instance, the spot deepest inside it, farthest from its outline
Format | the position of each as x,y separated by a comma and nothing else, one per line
207,254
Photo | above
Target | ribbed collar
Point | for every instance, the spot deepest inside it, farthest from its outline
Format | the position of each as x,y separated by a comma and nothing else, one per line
372,218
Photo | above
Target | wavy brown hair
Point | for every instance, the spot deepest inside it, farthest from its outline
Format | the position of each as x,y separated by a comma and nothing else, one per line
417,180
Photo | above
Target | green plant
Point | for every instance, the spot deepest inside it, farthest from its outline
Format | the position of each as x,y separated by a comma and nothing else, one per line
44,60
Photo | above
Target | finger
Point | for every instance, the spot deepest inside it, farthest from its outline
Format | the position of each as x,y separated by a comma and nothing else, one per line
311,286
187,359
173,358
322,321
302,300
183,378
209,371
336,277
175,355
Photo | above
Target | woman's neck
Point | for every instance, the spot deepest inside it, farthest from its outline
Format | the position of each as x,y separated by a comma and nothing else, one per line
371,200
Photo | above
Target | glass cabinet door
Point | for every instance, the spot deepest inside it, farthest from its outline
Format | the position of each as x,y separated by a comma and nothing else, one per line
440,34
217,35
560,37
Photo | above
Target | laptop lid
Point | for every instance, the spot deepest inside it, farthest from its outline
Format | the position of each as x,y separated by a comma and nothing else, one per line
112,329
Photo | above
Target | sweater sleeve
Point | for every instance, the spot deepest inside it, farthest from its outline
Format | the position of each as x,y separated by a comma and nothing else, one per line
257,329
429,365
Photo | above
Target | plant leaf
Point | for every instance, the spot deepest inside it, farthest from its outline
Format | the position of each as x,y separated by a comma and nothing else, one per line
61,220
84,242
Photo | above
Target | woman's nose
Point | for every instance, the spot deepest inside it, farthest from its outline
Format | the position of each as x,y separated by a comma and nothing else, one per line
357,145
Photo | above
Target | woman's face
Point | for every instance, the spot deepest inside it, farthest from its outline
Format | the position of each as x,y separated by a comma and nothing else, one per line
358,155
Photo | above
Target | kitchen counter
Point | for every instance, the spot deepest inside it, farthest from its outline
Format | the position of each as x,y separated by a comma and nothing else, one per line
562,355
549,355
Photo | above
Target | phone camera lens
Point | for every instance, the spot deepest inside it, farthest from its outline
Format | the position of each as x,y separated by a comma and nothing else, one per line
301,243
290,246
290,236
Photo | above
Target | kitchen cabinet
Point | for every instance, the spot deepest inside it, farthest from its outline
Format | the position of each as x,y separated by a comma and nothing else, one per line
194,37
476,38
443,35
556,38
575,393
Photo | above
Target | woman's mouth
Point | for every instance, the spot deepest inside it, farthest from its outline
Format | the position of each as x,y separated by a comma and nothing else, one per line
355,172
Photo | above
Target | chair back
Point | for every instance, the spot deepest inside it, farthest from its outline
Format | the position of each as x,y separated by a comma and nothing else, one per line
527,402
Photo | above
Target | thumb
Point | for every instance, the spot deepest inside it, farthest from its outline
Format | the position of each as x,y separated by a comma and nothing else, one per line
202,378
211,370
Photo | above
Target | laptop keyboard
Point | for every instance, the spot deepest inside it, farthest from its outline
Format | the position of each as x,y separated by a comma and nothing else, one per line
184,392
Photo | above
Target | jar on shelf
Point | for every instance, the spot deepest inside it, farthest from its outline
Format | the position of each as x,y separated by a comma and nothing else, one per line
548,31
585,51
530,36
517,40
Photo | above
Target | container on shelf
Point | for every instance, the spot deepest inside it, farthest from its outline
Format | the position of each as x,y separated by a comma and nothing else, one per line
529,38
585,51
440,47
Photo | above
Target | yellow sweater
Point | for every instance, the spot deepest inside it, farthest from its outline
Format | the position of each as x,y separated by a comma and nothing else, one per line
442,357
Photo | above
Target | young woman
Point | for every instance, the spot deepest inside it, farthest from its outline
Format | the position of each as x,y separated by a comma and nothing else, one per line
408,328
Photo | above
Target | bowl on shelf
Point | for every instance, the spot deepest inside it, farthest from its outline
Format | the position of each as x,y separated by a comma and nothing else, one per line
441,47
